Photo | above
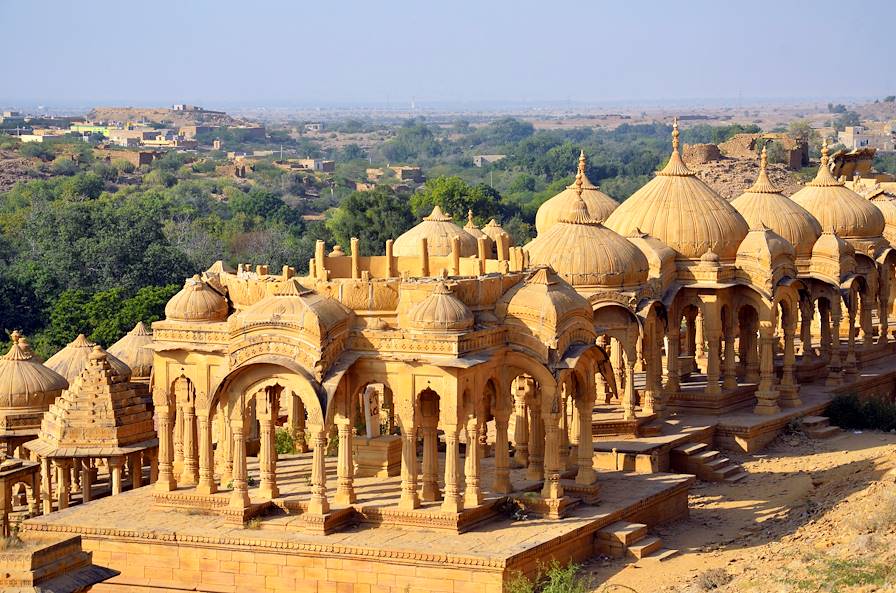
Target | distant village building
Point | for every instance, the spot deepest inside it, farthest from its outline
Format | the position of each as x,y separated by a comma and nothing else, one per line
325,166
374,173
486,159
408,173
745,146
314,126
364,186
217,144
854,137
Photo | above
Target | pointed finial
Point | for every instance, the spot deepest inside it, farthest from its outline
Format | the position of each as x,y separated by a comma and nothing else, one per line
675,134
15,336
579,182
470,217
582,162
763,158
824,152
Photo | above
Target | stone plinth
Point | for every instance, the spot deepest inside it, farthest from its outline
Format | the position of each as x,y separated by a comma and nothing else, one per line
377,457
49,563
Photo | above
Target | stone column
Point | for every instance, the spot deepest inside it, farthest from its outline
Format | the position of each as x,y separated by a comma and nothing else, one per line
850,367
535,469
883,309
166,481
788,389
227,452
586,474
699,339
115,465
835,369
472,492
207,483
867,306
36,491
453,502
178,440
239,497
345,465
297,423
670,389
267,459
806,315
751,368
63,475
502,483
318,504
153,455
552,470
46,485
766,396
730,371
616,361
431,491
409,497
190,473
86,486
520,428
135,468
712,362
628,397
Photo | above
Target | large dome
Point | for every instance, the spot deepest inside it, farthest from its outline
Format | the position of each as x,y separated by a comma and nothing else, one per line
837,207
197,301
584,252
131,349
682,212
764,205
25,384
71,360
438,229
292,304
599,204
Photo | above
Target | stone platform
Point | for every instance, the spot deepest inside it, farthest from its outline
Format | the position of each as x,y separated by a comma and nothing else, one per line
158,548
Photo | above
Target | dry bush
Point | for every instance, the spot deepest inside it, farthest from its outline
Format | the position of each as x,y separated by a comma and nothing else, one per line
713,579
877,518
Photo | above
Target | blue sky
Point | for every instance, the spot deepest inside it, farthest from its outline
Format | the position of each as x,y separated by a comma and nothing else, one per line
457,51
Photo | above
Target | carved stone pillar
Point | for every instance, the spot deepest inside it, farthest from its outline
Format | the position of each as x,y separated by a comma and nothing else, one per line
835,369
751,368
520,427
730,369
345,465
700,335
628,397
297,423
807,312
713,362
267,458
46,485
206,458
166,481
502,483
552,488
766,396
318,504
409,497
86,484
178,440
585,462
865,322
239,497
616,361
670,389
535,470
63,486
850,368
453,501
431,491
473,492
190,473
883,309
788,389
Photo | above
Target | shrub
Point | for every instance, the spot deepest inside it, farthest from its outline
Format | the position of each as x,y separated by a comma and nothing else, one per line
712,579
285,444
556,578
848,411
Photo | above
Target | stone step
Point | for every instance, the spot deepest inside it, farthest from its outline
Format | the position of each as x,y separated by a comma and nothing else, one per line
825,432
728,470
814,421
736,477
705,457
690,448
718,463
646,546
661,555
623,532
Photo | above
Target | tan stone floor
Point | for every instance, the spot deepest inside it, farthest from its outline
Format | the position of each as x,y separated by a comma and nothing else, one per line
502,538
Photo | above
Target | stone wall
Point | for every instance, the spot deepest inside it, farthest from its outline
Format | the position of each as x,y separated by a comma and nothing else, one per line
698,154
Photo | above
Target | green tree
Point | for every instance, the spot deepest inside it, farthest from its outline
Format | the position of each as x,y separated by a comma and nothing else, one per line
372,217
455,196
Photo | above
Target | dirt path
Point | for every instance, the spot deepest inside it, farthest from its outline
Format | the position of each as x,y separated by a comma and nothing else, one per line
805,507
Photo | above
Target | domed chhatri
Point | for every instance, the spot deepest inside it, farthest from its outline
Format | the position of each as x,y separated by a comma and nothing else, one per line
440,311
837,207
764,204
197,301
71,360
493,230
132,350
439,230
26,386
586,253
473,230
293,304
683,212
599,204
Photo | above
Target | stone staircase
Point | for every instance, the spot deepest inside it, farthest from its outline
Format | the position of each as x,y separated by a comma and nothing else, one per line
631,540
706,463
819,427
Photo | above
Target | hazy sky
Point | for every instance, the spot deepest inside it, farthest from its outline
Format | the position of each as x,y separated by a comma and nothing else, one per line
330,51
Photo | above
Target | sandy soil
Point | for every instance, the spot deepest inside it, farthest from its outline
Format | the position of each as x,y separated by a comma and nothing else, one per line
811,516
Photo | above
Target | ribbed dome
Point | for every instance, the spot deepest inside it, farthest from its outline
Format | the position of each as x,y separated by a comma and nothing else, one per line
599,204
196,301
131,349
440,311
838,208
682,212
586,253
493,230
473,230
293,304
545,299
25,384
71,360
887,207
763,204
438,229
764,243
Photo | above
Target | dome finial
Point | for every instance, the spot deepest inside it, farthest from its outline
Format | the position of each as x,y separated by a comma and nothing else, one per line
15,336
763,158
675,134
824,153
583,160
470,217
